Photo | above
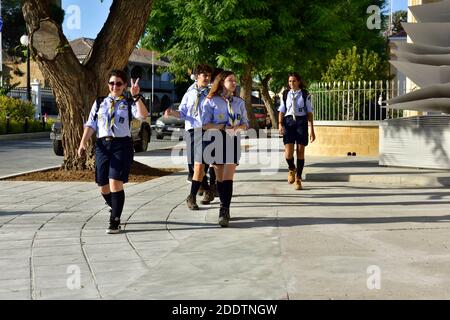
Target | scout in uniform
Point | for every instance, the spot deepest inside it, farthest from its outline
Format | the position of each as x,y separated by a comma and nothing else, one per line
189,110
110,119
295,112
224,116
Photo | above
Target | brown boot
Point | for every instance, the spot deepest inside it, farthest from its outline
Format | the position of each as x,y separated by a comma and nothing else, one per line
191,203
291,176
298,184
201,191
214,190
209,196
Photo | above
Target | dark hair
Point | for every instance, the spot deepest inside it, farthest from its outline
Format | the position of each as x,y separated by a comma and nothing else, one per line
119,73
217,86
203,68
302,83
215,73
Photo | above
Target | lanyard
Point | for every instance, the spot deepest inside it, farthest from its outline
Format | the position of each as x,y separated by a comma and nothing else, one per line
231,114
294,96
112,113
197,100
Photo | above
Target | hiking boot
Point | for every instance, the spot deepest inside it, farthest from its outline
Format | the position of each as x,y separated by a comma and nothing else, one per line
214,190
114,226
209,196
298,184
224,217
191,203
201,190
291,176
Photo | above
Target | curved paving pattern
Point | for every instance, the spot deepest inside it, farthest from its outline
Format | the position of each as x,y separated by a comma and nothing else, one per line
282,244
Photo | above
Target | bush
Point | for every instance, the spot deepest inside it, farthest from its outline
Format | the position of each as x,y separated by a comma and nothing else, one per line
19,126
16,109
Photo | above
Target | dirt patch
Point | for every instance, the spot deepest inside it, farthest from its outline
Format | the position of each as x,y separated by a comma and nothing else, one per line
139,173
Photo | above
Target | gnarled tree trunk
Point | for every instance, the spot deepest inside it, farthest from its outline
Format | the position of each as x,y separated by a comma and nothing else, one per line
246,93
76,85
268,102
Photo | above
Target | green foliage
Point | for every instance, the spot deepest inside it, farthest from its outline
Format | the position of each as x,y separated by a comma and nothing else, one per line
352,65
273,36
24,126
397,18
16,109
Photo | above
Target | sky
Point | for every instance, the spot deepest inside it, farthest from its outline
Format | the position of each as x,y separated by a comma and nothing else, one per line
85,18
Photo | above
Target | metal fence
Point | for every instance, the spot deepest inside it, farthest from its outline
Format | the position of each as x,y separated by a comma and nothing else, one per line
355,101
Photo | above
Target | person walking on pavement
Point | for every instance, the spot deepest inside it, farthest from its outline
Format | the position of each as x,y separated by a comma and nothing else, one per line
224,116
295,112
189,110
110,118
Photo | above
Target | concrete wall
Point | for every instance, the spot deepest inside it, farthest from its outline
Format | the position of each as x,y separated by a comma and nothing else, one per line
337,138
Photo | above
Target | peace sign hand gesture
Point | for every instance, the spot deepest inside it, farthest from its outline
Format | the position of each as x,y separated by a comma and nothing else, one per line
135,87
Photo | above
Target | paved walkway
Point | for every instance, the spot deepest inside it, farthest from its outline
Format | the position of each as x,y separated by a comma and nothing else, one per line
333,240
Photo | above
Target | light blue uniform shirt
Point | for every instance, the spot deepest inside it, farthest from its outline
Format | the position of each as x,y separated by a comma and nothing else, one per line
192,119
300,109
215,111
121,124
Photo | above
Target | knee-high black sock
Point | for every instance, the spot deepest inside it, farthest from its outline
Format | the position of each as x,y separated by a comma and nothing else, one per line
300,165
194,187
212,176
117,202
205,183
228,192
107,198
220,190
291,164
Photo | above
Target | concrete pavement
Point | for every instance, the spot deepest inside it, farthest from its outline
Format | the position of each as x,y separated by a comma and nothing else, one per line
371,239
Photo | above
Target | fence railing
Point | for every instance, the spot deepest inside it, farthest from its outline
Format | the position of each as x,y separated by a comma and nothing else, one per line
355,101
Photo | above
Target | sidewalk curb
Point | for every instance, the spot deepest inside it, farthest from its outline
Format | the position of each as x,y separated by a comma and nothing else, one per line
25,136
31,171
405,180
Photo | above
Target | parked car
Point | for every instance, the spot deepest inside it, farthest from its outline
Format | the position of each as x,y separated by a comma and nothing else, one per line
262,118
167,126
140,133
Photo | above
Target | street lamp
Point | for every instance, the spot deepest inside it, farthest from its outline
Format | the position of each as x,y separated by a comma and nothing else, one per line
25,41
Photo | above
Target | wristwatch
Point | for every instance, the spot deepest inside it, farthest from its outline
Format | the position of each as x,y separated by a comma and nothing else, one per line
137,97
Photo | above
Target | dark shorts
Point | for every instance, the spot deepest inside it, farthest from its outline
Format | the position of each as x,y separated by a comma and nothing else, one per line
221,148
113,160
194,145
296,130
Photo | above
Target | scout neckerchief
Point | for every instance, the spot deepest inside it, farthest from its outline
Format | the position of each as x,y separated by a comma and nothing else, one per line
231,114
294,96
200,91
112,114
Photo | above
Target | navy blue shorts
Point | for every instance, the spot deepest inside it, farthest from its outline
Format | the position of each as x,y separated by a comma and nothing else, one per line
221,148
113,160
194,145
296,130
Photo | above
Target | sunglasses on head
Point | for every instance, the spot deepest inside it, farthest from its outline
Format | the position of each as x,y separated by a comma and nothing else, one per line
118,84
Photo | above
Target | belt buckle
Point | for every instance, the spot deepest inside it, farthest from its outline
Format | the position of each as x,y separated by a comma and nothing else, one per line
109,138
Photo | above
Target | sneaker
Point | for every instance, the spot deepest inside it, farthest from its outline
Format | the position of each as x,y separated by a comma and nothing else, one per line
191,203
209,196
201,190
214,190
114,226
298,184
291,176
224,217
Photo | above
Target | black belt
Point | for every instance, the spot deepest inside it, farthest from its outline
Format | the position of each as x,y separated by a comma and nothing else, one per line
192,130
291,117
113,138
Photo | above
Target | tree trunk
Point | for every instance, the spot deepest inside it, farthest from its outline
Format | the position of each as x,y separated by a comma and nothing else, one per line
76,85
246,93
268,102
